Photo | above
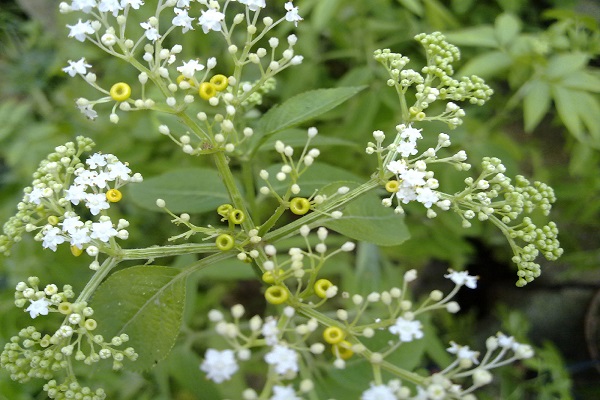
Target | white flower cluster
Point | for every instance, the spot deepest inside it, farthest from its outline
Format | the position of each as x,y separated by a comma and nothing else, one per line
412,180
282,357
96,187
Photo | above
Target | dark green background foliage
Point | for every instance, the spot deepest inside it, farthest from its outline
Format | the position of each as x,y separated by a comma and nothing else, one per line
541,59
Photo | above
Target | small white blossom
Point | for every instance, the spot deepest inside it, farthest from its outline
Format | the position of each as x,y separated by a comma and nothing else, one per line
210,20
283,359
189,68
112,6
96,202
182,19
284,393
151,32
38,307
219,366
462,278
407,330
253,5
292,13
52,237
75,193
103,231
88,110
378,392
80,30
463,352
135,4
77,67
83,5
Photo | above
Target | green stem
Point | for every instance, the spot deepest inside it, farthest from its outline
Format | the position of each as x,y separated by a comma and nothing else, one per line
98,277
166,251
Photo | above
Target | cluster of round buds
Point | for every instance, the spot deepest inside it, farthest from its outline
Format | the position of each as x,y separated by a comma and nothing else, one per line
291,171
72,390
493,196
301,269
434,81
41,301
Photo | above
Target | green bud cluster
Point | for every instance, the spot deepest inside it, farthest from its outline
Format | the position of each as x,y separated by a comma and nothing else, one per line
434,82
30,291
72,390
493,196
51,175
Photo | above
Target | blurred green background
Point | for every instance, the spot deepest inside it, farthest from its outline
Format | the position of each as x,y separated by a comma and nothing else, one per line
541,59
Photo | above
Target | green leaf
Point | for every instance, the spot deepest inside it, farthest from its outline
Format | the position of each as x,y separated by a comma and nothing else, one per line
193,190
585,81
589,113
414,6
561,65
365,219
487,65
323,14
478,36
567,106
536,103
146,303
508,27
303,107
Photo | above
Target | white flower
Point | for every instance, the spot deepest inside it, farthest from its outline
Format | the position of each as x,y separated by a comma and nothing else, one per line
413,177
407,330
407,148
77,67
80,30
80,236
396,167
87,109
35,196
219,366
378,392
83,5
96,160
284,393
182,19
151,32
411,134
211,20
183,3
427,196
52,237
189,68
292,13
505,341
463,352
38,307
112,6
283,359
71,224
118,170
103,231
75,193
270,331
253,5
135,4
462,278
96,202
406,194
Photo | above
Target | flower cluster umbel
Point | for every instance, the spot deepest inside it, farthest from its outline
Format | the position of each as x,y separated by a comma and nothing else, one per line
32,354
289,343
64,191
169,82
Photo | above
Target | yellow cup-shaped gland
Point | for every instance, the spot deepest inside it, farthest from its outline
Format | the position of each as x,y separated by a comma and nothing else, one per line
220,82
207,90
276,294
65,308
120,91
113,195
76,251
224,209
236,216
90,324
342,350
299,205
333,335
321,287
53,220
224,242
392,186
